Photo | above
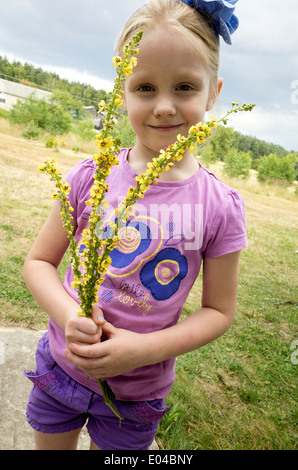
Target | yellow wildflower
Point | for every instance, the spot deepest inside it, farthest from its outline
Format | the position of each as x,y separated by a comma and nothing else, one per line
117,61
194,129
131,191
113,160
105,204
86,278
104,152
106,142
96,191
127,71
106,262
169,166
180,154
206,130
152,171
65,188
89,202
133,62
191,148
181,138
213,121
81,313
118,101
102,106
53,170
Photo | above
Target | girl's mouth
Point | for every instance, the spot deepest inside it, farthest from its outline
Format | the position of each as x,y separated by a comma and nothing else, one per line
166,127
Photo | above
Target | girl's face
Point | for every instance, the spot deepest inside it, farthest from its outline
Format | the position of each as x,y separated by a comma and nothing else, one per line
168,91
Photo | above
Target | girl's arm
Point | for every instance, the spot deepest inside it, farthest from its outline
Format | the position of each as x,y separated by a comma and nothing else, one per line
43,281
125,350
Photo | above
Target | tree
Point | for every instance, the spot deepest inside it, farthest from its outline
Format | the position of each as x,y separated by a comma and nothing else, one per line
29,110
221,142
268,167
59,121
287,167
69,103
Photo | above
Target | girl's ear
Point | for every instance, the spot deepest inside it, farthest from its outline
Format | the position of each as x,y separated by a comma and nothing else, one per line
214,94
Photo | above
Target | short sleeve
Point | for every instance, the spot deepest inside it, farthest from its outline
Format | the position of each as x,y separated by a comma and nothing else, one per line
228,232
80,179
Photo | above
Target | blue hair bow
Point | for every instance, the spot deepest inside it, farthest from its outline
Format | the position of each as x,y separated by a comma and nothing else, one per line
221,13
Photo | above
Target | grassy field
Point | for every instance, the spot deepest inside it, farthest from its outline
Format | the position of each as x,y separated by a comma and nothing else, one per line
240,392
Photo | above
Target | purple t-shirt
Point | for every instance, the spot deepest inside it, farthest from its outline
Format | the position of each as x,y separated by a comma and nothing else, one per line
156,261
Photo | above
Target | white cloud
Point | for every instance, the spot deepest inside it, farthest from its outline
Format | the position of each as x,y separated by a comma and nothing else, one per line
276,126
74,75
268,26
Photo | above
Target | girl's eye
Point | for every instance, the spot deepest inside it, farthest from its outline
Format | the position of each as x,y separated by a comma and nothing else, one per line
145,88
184,87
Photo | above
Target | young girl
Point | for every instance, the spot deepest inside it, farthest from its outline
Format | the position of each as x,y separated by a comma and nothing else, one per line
188,218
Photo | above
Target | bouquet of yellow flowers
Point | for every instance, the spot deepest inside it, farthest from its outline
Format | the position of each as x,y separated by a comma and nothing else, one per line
91,266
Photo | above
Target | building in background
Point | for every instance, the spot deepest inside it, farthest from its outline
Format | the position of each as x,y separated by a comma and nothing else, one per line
11,92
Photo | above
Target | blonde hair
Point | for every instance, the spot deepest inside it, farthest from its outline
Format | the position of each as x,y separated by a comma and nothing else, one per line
194,25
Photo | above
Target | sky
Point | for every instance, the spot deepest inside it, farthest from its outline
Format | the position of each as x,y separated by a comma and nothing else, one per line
76,38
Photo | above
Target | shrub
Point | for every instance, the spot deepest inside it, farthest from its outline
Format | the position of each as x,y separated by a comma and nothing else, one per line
41,114
4,113
59,121
238,164
32,131
221,142
288,167
30,110
52,143
272,167
206,154
124,128
85,129
69,103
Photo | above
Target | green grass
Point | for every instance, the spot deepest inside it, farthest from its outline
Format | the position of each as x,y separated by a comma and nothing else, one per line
239,392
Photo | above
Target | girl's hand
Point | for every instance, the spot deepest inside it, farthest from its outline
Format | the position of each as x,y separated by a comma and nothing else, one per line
82,330
120,352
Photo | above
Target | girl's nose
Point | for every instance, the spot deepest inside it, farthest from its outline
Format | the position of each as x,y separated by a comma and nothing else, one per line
165,106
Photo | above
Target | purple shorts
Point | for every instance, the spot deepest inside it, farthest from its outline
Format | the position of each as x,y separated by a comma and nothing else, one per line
58,404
